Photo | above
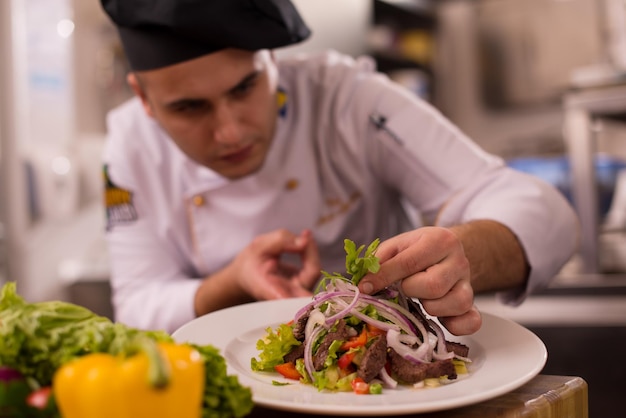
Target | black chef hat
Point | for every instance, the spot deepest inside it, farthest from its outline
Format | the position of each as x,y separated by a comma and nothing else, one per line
157,33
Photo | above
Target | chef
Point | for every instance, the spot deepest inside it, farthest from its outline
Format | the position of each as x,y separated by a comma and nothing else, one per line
233,176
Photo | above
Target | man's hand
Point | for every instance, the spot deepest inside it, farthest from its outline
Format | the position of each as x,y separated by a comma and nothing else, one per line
262,272
431,265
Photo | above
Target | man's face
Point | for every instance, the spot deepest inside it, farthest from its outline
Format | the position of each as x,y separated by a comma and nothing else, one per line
220,109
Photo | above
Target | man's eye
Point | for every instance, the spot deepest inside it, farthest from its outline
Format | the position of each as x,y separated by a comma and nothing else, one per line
189,107
242,89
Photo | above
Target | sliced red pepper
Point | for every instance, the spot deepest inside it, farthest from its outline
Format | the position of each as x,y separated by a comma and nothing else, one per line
288,370
360,387
373,330
354,342
346,359
347,371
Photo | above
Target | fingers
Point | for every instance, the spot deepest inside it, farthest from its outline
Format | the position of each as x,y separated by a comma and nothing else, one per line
271,284
430,264
407,254
277,242
439,280
457,301
309,272
465,324
273,278
393,261
311,264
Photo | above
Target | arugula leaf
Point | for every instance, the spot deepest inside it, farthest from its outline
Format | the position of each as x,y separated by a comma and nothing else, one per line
358,266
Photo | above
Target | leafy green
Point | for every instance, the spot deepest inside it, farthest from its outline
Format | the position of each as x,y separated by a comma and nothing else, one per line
13,395
274,347
277,343
332,353
327,378
357,266
223,395
37,338
301,368
344,384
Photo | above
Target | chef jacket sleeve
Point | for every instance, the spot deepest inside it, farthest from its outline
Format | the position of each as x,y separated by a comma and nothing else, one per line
451,180
152,288
149,292
537,214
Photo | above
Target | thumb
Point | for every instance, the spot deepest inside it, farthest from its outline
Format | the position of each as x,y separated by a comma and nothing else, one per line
311,264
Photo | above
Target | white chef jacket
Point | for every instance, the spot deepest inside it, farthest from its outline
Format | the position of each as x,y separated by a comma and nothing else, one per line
354,156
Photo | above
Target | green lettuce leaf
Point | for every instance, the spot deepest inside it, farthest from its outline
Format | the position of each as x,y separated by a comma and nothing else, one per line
37,338
274,347
223,395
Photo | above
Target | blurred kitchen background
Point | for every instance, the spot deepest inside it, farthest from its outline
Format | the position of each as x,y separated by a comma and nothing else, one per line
540,82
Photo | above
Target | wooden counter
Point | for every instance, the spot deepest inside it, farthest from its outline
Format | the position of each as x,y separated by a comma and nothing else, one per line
543,397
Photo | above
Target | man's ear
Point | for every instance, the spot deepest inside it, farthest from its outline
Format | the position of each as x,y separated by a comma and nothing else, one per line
134,83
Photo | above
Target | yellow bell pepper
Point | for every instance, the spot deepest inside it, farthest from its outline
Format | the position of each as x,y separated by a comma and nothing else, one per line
163,380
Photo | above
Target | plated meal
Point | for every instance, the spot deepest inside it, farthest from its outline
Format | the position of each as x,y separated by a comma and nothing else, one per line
343,340
312,354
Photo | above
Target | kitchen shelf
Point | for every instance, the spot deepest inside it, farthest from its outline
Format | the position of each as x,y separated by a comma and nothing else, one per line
388,61
406,14
402,42
588,284
581,107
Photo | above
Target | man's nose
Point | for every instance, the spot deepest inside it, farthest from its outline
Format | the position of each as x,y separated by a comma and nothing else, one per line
226,126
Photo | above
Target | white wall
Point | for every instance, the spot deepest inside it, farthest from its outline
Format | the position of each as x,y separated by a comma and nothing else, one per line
337,24
9,185
37,122
13,212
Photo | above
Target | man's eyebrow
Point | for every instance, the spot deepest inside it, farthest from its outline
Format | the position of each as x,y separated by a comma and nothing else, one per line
185,102
201,102
246,80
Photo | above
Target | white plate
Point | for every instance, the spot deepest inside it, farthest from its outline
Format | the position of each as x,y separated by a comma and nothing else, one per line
505,356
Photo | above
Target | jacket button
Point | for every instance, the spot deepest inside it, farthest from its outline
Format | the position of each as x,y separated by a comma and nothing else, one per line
292,184
198,200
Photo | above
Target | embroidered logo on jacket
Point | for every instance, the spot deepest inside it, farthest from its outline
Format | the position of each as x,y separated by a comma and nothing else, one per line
118,203
281,98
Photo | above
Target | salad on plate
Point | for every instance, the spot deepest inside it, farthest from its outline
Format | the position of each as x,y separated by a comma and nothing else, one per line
345,340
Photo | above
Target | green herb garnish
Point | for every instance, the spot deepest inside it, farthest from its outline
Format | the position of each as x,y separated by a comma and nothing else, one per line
357,266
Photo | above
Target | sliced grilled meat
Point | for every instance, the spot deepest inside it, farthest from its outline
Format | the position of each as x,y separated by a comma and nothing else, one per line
374,359
458,348
416,309
340,333
295,353
300,326
408,372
